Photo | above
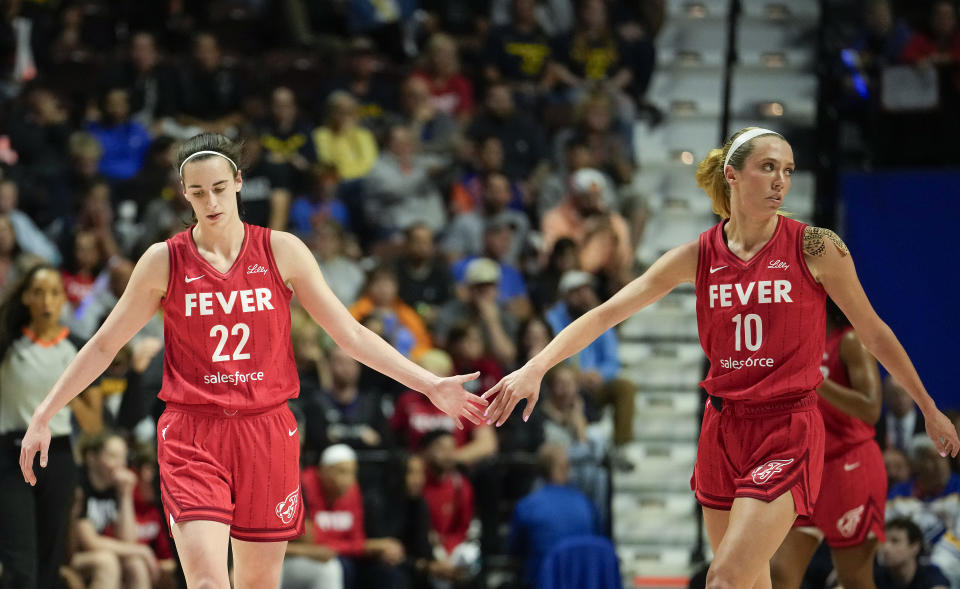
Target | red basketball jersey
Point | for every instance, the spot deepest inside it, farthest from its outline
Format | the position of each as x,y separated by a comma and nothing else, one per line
761,322
843,431
227,336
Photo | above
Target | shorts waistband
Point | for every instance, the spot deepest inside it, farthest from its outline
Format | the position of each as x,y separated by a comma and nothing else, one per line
219,411
804,402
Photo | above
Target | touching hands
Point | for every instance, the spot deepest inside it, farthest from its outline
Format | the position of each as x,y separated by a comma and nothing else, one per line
450,397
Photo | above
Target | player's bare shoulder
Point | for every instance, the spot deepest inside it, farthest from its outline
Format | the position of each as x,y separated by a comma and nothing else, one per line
153,267
290,254
815,241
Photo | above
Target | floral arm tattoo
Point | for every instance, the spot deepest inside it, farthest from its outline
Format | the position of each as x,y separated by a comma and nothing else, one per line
814,244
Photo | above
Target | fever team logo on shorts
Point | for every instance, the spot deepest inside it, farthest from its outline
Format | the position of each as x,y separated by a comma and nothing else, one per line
849,522
287,509
765,472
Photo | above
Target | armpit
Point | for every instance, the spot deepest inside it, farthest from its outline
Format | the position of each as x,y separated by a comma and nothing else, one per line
814,241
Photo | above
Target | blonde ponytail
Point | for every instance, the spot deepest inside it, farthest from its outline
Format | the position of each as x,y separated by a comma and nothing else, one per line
711,179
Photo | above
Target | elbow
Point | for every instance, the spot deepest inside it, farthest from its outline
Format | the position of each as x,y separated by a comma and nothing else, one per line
349,338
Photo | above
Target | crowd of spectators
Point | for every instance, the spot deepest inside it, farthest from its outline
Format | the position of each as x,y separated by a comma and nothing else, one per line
462,172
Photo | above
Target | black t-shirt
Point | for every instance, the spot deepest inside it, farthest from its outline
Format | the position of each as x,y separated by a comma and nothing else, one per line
329,422
207,95
594,59
523,143
259,181
154,92
926,577
101,507
435,287
373,106
517,55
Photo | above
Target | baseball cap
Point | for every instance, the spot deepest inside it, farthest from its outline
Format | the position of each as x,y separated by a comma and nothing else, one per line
585,179
573,279
482,271
336,454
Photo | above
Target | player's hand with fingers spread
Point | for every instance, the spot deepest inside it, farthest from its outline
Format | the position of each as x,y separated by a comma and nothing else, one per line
523,383
943,433
450,397
37,439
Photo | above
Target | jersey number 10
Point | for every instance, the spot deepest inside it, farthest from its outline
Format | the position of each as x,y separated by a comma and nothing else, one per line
752,331
238,354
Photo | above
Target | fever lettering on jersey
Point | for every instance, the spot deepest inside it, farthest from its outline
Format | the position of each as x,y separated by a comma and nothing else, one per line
227,335
760,321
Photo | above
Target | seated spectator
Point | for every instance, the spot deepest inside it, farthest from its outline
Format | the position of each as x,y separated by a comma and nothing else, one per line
107,516
152,527
210,91
517,53
285,138
555,17
151,85
609,148
265,199
436,130
39,132
879,43
599,362
900,419
452,92
376,97
479,304
402,326
543,286
939,45
466,235
83,267
329,554
98,569
602,236
467,193
399,191
414,416
318,202
14,262
929,496
565,423
449,496
524,147
423,278
577,156
341,142
29,238
344,276
897,466
124,141
469,355
499,239
899,565
550,514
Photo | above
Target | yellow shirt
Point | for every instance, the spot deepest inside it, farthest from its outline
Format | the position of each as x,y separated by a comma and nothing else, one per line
352,152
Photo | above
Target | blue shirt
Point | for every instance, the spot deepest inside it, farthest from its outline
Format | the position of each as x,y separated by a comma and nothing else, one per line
543,518
124,147
512,283
601,355
303,210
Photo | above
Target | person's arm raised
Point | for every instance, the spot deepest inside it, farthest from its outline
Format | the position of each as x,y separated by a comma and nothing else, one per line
300,270
674,267
139,302
832,266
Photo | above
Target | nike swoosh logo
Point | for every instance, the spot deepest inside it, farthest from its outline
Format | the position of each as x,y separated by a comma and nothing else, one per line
717,269
188,280
849,467
292,431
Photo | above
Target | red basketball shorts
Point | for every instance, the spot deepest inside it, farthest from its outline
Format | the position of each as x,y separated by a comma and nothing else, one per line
760,450
237,468
852,498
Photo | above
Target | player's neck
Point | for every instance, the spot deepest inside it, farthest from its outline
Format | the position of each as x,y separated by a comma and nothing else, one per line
223,240
750,233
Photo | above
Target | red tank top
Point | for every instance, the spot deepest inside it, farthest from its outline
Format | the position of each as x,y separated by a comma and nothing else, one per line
761,322
843,431
227,336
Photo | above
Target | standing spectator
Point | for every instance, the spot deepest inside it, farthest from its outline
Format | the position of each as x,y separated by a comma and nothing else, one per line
599,362
524,147
449,495
285,138
452,91
480,305
437,131
402,327
601,235
152,86
423,280
518,51
108,518
551,513
341,142
124,141
375,96
900,565
210,90
399,191
34,350
900,419
345,276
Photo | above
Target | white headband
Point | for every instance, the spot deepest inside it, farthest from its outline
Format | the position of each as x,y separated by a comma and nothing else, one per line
740,140
199,153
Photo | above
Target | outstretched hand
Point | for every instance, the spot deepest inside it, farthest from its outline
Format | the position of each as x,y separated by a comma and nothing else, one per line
450,397
37,439
943,433
523,383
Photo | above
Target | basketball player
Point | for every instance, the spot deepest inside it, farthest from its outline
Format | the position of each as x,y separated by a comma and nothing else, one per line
849,513
228,446
761,280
